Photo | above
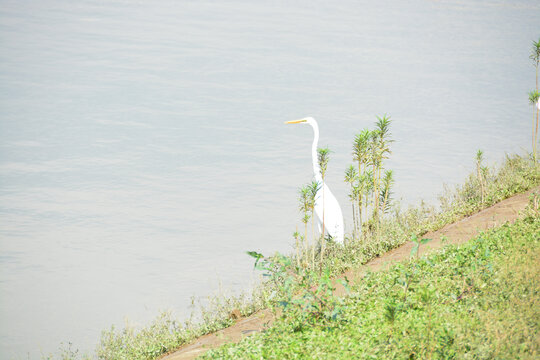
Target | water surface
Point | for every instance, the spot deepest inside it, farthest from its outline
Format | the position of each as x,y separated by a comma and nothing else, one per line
143,151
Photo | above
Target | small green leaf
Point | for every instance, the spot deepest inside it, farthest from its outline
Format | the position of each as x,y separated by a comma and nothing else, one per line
414,250
257,256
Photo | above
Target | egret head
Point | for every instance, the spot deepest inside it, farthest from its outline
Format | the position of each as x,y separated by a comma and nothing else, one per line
307,120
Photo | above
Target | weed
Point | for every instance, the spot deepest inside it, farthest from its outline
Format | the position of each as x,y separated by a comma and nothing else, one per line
417,243
305,295
67,352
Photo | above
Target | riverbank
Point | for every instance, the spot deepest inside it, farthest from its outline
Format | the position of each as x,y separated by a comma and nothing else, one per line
506,211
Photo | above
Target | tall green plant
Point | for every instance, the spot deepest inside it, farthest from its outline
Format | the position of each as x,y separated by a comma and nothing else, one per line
323,156
360,148
363,187
535,57
313,188
366,180
480,173
351,177
382,151
298,242
386,192
372,189
375,160
305,208
361,155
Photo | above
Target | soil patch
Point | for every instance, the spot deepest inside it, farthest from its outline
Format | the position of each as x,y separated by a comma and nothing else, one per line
459,232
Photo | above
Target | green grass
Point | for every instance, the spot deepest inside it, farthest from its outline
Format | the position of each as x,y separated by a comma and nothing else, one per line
477,301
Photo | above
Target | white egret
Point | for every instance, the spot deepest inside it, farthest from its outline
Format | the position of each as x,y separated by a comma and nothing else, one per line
328,209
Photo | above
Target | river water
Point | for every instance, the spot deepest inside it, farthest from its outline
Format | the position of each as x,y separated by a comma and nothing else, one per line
143,150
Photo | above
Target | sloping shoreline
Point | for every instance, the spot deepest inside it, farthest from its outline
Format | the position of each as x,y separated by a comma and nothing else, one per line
458,232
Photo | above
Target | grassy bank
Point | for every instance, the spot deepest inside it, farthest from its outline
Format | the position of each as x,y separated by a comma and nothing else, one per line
480,301
517,174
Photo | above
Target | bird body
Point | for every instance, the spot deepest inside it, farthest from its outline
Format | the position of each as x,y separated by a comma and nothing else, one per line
327,207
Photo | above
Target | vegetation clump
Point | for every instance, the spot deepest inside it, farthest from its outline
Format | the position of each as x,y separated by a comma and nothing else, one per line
370,187
165,333
303,295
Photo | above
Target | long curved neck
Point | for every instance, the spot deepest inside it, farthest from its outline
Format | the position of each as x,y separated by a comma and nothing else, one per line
314,157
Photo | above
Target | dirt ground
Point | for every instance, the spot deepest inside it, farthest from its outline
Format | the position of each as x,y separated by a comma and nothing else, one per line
459,232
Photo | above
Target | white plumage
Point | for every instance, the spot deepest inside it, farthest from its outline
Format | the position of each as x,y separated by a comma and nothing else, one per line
329,208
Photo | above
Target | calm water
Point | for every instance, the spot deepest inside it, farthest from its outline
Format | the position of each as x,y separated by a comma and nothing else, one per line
143,150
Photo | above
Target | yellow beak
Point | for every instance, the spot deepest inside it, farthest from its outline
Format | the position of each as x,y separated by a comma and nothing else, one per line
295,121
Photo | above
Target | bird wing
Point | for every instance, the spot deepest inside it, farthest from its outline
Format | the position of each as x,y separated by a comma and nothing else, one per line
333,217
